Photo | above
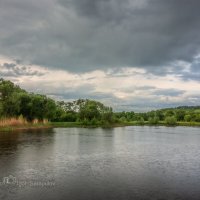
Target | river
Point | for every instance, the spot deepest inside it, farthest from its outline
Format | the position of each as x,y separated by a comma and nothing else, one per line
120,164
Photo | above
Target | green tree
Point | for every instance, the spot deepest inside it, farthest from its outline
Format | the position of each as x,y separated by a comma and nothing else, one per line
89,110
153,120
187,118
9,98
26,106
49,109
160,115
171,121
180,114
169,113
141,121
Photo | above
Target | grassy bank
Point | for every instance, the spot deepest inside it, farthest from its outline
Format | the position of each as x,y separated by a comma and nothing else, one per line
12,124
55,125
197,124
24,126
120,124
162,123
65,124
81,125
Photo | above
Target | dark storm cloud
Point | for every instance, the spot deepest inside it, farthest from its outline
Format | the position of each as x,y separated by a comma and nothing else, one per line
101,10
83,35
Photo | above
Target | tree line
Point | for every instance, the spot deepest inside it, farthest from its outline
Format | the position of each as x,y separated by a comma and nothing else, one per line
169,116
15,102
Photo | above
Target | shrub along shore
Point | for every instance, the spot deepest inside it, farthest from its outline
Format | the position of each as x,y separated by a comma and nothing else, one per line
41,125
20,109
21,123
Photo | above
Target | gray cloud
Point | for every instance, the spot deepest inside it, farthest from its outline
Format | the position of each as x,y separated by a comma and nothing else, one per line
145,87
191,76
15,70
194,73
83,35
148,103
168,92
86,91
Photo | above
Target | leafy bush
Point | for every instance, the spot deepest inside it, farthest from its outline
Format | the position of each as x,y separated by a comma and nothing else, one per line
153,120
171,121
94,122
141,121
187,118
123,119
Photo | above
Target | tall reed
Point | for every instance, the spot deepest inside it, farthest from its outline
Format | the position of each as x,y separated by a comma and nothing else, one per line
13,121
20,121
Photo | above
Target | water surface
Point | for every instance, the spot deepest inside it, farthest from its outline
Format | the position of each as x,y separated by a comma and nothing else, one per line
119,163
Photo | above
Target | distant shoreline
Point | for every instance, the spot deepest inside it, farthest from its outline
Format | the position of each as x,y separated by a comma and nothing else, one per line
79,125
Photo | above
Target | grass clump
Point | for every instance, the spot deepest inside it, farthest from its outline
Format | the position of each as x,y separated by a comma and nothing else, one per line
171,121
20,121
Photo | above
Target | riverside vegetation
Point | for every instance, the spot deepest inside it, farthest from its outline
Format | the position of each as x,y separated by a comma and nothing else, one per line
21,109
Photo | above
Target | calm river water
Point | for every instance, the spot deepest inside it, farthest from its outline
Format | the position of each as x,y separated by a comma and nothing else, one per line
119,164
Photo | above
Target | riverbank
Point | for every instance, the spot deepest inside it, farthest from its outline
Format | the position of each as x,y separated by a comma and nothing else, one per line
119,124
80,125
25,127
162,123
56,125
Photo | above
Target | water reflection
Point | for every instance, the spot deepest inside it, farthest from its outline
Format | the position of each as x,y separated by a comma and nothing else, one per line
119,163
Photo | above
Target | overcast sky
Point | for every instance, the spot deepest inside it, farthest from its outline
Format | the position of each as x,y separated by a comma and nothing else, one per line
130,54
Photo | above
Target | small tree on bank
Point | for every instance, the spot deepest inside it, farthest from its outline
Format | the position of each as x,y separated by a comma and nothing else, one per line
171,121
